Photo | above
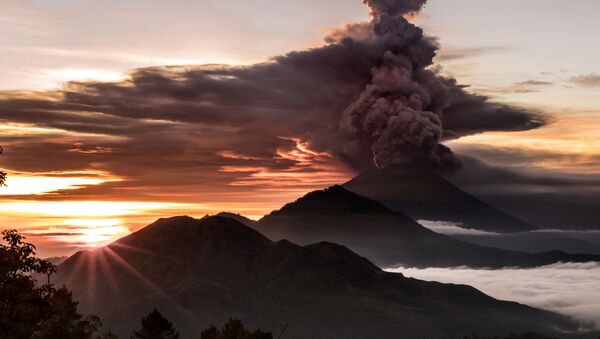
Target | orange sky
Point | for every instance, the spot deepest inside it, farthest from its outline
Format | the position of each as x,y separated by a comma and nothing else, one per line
42,204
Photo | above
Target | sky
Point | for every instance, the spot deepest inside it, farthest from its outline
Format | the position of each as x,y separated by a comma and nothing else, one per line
100,138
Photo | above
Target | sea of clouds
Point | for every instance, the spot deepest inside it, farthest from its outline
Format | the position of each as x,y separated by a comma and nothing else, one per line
571,289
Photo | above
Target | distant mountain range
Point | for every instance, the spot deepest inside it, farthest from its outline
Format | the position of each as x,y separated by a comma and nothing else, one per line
422,193
386,237
56,260
537,241
199,272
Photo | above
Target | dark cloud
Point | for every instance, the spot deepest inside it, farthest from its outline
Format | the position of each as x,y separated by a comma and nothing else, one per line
543,197
355,31
517,157
586,80
369,92
534,83
459,53
395,7
471,114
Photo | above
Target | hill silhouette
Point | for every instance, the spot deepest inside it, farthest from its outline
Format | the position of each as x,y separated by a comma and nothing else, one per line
205,271
386,237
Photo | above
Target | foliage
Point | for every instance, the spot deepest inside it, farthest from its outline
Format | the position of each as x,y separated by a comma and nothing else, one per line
108,335
513,336
155,326
30,311
233,329
2,173
64,321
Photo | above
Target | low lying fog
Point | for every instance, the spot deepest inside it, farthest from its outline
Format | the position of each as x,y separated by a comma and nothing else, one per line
570,241
452,228
567,288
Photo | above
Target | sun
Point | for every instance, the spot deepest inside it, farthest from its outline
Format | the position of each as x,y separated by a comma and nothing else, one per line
93,232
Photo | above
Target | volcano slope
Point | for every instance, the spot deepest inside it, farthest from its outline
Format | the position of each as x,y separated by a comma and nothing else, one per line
421,193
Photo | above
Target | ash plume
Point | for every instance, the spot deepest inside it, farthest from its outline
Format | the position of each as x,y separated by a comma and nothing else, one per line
400,112
367,97
395,7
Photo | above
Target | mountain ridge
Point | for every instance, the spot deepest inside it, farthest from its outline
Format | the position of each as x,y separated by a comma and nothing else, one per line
386,237
214,268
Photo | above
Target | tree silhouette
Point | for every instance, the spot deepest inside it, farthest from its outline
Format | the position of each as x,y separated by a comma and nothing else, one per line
155,326
210,333
22,304
64,321
108,335
31,311
512,336
2,173
233,329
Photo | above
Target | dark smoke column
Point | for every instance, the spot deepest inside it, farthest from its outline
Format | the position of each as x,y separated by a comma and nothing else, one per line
395,7
399,112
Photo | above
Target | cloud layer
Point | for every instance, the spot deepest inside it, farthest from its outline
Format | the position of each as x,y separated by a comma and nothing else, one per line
586,80
506,178
452,228
541,240
570,289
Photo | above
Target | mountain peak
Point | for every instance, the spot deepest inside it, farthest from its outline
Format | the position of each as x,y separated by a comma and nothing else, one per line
332,200
187,234
425,194
238,217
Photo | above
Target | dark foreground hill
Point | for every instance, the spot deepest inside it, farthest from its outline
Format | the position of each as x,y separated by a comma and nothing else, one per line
204,271
386,237
423,194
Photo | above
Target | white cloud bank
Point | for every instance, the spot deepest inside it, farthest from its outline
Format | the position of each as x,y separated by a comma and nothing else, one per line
566,288
451,228
457,228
